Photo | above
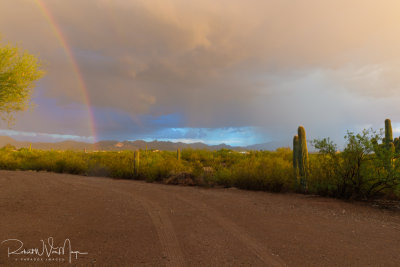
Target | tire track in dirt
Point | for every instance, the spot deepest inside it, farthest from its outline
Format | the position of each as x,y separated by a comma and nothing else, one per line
260,250
159,218
166,233
164,229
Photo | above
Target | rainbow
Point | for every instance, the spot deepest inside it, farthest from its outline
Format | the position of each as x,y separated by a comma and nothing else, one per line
59,35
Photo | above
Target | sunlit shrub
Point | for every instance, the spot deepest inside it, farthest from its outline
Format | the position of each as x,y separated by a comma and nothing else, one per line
268,173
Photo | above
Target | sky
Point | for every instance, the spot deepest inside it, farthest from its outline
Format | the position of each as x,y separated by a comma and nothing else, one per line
238,72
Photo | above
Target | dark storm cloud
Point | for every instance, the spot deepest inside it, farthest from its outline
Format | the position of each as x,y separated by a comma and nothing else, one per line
330,65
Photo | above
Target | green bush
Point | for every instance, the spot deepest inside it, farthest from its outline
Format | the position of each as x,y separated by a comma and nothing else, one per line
363,170
267,173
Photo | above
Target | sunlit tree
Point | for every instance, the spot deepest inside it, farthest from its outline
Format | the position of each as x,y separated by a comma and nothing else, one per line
18,72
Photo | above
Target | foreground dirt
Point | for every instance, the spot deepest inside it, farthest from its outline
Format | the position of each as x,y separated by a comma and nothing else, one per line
131,223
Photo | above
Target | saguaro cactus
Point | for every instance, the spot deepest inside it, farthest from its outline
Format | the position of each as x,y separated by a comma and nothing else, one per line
388,132
136,161
303,158
178,154
389,145
296,157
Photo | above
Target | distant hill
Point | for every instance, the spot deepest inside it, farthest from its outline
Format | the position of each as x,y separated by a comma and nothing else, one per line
130,145
271,146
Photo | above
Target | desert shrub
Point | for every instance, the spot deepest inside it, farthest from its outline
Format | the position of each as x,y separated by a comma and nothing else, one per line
112,164
8,161
223,176
70,162
154,166
8,147
363,169
193,155
267,173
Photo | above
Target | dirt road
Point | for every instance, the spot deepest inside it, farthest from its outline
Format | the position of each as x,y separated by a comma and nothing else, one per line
132,223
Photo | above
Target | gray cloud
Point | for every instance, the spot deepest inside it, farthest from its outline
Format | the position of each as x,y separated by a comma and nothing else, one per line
269,64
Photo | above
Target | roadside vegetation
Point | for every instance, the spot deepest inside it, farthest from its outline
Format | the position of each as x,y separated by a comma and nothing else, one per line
253,170
368,167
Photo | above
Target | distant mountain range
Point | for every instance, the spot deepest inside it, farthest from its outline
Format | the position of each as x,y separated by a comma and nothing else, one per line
131,145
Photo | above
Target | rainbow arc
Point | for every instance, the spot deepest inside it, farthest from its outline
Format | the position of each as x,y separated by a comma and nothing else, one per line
63,41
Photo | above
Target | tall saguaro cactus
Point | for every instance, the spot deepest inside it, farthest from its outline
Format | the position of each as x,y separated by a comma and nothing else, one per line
389,146
300,157
296,157
388,132
178,154
136,161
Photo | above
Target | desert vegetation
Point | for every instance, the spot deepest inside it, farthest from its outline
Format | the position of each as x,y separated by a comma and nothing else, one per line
254,170
366,168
